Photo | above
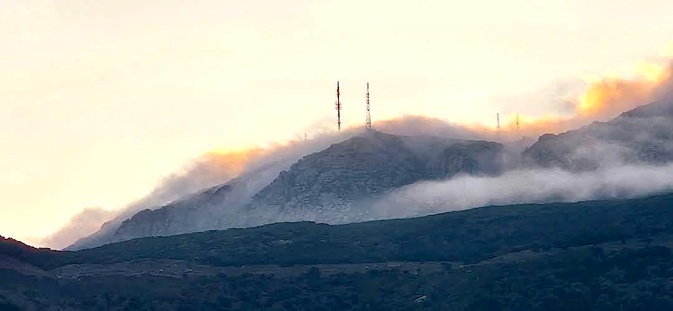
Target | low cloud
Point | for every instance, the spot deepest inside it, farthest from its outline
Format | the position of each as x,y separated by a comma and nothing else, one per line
602,100
252,170
427,126
82,224
524,186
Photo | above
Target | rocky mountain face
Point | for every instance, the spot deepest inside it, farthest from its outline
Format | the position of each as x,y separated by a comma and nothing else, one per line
207,210
170,219
642,135
331,186
334,185
176,217
337,184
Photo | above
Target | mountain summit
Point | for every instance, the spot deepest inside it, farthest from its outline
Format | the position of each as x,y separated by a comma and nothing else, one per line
325,186
332,185
339,183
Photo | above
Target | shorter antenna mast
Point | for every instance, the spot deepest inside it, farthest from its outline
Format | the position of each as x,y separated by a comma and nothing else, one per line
517,124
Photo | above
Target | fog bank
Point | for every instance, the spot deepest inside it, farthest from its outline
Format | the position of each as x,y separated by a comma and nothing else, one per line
524,186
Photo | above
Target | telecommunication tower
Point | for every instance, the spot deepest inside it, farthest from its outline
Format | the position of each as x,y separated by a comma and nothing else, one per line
368,117
338,108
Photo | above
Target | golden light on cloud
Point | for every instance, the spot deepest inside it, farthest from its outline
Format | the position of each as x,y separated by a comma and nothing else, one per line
650,71
235,161
615,94
603,98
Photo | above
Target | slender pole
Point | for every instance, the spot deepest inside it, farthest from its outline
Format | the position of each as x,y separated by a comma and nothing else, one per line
517,125
368,118
338,108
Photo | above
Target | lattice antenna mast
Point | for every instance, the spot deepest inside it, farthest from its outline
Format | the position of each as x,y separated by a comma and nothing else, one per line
497,118
368,117
338,108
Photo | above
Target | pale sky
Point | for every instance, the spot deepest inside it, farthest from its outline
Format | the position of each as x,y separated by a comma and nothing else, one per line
101,99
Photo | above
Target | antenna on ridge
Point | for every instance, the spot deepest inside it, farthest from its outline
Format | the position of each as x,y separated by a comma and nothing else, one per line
497,118
368,117
517,124
338,108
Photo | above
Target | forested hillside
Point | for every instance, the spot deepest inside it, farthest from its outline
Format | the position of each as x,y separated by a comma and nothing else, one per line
597,255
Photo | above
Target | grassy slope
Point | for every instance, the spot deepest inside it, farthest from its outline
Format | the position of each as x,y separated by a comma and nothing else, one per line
467,236
580,278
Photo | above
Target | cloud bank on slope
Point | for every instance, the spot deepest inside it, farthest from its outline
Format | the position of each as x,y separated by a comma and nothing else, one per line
207,170
82,224
253,169
602,99
610,146
524,186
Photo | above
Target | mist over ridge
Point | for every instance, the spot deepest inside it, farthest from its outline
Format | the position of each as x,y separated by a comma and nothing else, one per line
603,157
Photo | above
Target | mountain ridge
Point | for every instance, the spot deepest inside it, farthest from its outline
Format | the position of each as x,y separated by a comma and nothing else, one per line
325,184
641,135
468,235
338,183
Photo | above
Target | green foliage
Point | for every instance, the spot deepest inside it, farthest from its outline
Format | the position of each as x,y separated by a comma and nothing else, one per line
465,236
39,257
588,278
601,255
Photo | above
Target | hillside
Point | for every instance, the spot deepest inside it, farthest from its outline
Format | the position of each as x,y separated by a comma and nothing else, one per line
596,255
338,184
641,135
467,236
332,185
200,211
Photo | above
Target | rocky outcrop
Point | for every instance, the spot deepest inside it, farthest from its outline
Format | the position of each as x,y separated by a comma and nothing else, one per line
642,135
333,185
337,184
188,215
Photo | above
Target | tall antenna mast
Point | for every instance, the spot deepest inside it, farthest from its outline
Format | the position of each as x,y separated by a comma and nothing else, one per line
368,118
338,108
497,118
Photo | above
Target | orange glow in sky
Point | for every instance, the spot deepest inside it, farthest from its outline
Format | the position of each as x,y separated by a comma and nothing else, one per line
602,99
617,94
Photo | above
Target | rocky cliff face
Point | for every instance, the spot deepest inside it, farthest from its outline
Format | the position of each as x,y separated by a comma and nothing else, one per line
188,215
337,184
214,208
642,135
330,186
334,185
